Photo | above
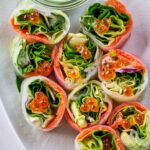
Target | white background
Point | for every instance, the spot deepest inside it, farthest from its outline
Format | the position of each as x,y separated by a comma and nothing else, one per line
8,138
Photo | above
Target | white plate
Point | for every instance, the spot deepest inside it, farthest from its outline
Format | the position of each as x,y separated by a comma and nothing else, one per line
62,138
60,5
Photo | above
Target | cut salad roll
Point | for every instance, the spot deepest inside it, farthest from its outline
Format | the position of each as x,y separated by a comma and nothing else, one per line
31,59
99,137
35,23
77,60
132,122
124,77
87,106
43,102
109,24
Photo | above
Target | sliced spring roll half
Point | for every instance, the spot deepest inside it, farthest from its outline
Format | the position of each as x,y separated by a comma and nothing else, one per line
132,121
43,102
35,23
109,24
77,60
31,59
87,106
123,75
99,137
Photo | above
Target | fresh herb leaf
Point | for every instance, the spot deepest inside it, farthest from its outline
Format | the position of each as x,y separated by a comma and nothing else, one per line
19,82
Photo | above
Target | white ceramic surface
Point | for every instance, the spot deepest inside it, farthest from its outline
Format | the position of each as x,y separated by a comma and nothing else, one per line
8,137
62,138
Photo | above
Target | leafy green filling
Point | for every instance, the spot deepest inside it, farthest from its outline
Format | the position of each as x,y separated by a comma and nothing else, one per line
91,90
101,11
98,140
133,80
32,55
57,23
118,22
53,97
71,56
48,25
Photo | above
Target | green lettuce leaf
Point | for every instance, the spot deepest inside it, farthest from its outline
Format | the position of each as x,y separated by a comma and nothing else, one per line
53,97
51,26
118,22
89,90
32,55
73,57
101,11
129,79
40,27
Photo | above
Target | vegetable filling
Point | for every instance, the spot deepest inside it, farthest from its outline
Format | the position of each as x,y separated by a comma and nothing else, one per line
98,140
121,74
78,58
87,104
34,59
104,22
42,103
129,118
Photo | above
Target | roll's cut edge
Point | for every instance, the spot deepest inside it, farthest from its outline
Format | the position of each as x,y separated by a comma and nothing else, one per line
134,103
15,50
121,39
58,71
132,138
122,98
61,109
38,37
102,119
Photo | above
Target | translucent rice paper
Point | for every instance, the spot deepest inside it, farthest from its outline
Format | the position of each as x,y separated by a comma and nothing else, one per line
63,136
